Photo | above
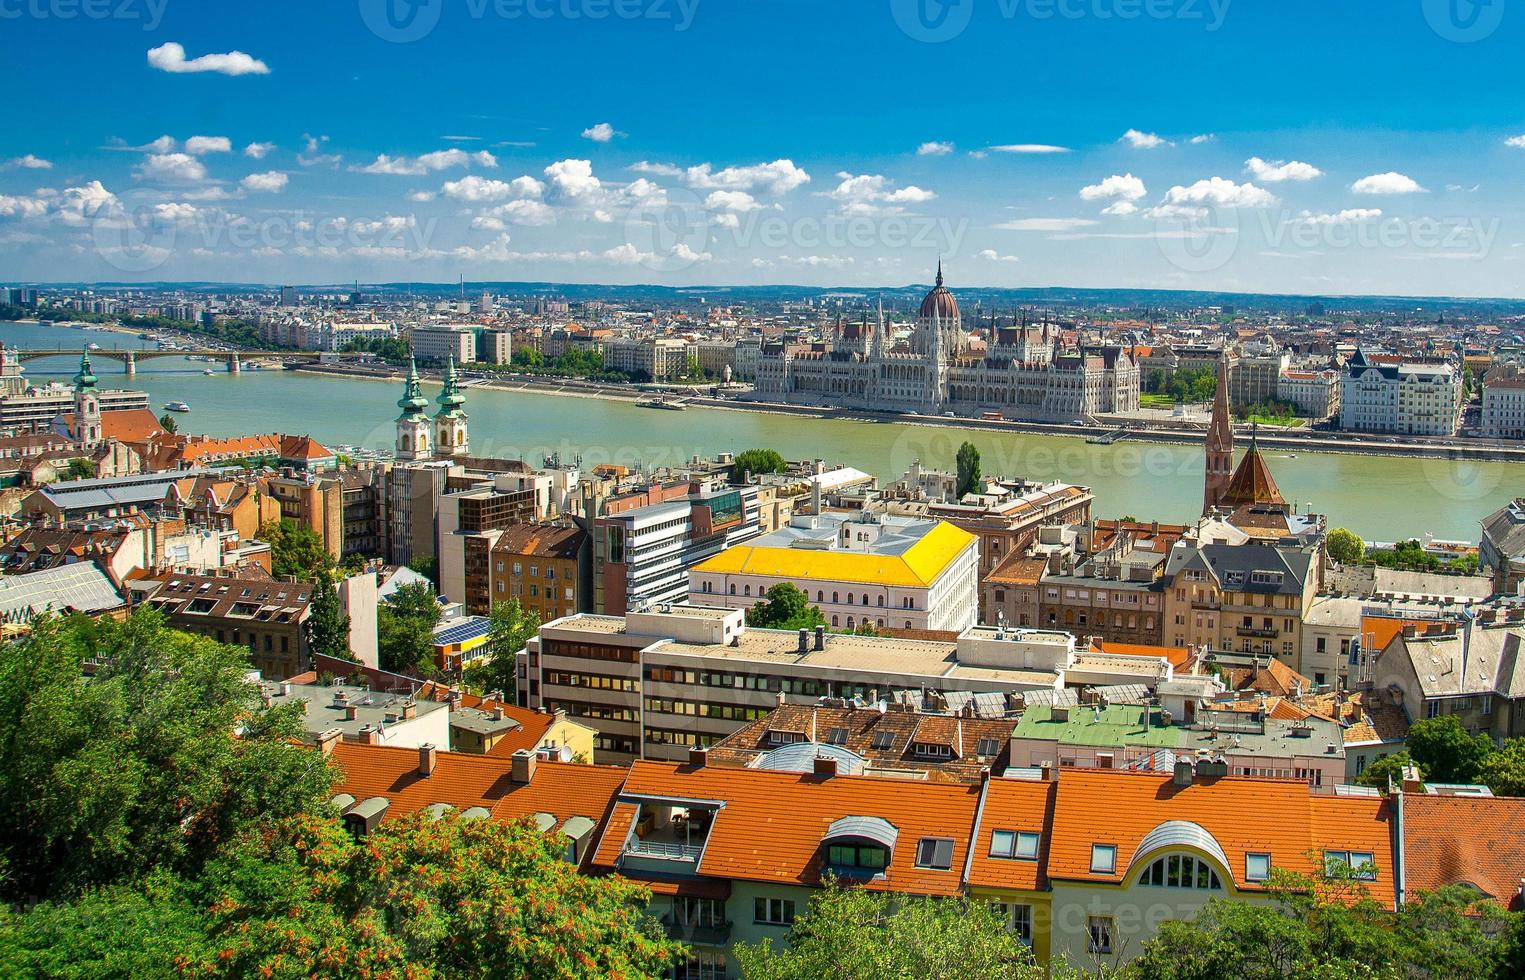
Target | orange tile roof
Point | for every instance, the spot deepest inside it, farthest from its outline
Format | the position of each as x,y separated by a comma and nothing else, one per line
1176,655
1382,629
303,447
463,780
1243,814
771,826
1015,805
1450,840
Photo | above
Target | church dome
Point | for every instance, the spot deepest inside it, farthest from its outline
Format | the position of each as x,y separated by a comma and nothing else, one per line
939,302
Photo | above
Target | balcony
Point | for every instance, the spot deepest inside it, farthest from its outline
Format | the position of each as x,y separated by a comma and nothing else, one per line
667,838
1257,633
663,850
696,933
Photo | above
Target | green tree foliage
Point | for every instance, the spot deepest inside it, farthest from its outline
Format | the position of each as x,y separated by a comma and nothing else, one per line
574,362
1345,546
853,934
968,469
511,626
1190,385
785,607
752,462
329,625
80,469
1329,929
405,629
427,566
295,549
1445,752
138,768
168,424
1388,769
1411,554
1503,770
392,350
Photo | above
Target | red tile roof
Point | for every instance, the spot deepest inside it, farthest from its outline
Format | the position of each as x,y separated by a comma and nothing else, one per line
771,826
1015,805
1479,841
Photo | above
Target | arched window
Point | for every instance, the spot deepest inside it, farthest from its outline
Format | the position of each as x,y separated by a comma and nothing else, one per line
820,596
746,590
1181,871
834,598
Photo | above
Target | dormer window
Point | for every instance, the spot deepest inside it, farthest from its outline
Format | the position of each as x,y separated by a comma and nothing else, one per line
1361,863
935,853
931,750
1021,845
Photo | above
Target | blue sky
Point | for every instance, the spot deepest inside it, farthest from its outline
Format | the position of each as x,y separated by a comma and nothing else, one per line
1324,147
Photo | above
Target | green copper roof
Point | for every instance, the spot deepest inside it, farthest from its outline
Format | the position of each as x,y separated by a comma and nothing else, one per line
85,378
450,397
412,401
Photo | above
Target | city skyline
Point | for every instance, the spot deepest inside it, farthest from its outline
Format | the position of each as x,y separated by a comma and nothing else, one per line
192,145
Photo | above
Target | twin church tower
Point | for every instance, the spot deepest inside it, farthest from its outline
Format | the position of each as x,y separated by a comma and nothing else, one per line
419,437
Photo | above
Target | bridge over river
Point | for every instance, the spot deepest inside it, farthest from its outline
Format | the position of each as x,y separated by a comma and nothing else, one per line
129,357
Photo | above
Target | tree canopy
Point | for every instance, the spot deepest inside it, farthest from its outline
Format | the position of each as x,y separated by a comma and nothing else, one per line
751,462
295,549
1445,752
968,469
510,627
785,607
405,629
853,934
327,622
1345,546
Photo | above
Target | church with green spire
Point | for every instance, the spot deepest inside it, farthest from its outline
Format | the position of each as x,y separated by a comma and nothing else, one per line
87,405
450,437
414,433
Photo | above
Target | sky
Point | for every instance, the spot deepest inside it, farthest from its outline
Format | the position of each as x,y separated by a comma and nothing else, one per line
1329,147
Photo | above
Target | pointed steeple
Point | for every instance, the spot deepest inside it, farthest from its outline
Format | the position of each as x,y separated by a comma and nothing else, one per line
939,270
1220,443
85,379
412,401
450,397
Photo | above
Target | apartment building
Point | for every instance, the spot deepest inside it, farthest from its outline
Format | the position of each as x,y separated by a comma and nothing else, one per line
437,343
360,714
1390,394
1114,596
656,683
1473,670
647,359
645,544
1255,377
1315,394
1249,597
546,568
267,616
1502,550
868,569
473,514
1504,408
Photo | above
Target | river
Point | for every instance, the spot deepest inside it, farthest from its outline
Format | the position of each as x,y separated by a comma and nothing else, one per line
1380,498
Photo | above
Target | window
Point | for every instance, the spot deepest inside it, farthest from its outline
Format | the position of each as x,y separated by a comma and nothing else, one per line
988,748
1018,920
1099,934
1022,844
773,911
1363,863
1257,867
882,740
1103,859
1181,871
935,853
837,736
870,857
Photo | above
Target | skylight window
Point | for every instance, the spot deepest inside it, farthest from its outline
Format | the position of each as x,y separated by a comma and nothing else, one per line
988,748
883,740
935,853
837,736
1257,867
1103,859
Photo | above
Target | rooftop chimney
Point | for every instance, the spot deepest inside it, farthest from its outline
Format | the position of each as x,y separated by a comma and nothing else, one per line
1184,772
428,755
351,712
825,768
697,757
820,637
409,709
327,740
522,767
804,640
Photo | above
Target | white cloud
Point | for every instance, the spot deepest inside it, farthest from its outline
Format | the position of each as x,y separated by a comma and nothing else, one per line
78,204
30,162
1388,183
599,133
310,157
1276,171
202,145
427,163
170,57
934,149
271,181
779,177
480,189
1120,208
1216,192
644,193
1347,216
626,254
171,166
1046,224
1118,187
521,212
22,207
660,169
1201,138
421,197
1028,148
175,213
573,179
258,151
875,194
991,255
1143,141
737,202
1518,142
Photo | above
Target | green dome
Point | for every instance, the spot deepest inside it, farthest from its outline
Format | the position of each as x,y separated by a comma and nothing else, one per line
85,378
412,401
